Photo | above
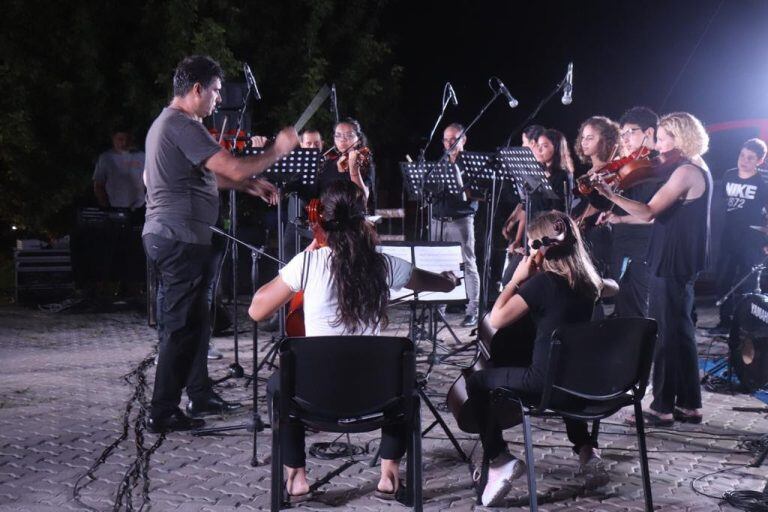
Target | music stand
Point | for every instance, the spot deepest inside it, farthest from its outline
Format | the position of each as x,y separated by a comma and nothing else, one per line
435,257
300,167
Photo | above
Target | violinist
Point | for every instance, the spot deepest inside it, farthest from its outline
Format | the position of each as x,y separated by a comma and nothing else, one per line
453,220
596,143
530,136
630,235
346,290
676,254
348,160
311,138
513,229
554,156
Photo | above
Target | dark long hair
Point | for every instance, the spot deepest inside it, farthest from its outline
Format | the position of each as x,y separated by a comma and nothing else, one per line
358,271
562,157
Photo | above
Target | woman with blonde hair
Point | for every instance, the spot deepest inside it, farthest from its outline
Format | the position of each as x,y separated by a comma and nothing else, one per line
677,252
561,289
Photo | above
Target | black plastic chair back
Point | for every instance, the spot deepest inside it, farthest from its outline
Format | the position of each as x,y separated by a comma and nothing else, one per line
599,361
337,377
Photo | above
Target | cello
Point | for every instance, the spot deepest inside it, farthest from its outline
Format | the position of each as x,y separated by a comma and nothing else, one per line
294,321
511,345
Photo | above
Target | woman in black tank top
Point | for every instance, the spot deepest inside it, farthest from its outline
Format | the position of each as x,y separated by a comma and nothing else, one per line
677,252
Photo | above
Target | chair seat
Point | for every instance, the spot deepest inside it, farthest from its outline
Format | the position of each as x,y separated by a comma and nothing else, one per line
359,426
575,408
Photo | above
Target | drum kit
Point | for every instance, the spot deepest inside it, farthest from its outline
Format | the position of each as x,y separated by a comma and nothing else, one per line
748,336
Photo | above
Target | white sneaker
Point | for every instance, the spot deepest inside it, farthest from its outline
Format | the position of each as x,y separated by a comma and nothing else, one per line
594,473
503,470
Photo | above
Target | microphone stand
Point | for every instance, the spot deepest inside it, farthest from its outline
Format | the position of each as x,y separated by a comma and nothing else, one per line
235,369
256,424
420,166
533,114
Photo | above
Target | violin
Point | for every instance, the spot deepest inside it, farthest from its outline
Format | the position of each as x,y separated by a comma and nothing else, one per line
227,138
364,157
610,171
294,321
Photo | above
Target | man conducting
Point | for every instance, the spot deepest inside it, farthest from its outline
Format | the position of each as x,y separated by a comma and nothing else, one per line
185,167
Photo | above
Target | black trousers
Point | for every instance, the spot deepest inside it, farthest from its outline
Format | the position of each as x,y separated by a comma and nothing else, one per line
633,276
675,360
183,321
394,438
735,261
479,387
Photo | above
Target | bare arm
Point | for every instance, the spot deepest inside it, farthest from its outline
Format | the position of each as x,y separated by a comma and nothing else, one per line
680,184
354,174
239,170
423,280
269,298
509,306
100,191
610,288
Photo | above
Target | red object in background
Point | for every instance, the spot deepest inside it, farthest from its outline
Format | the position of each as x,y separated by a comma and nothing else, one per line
229,136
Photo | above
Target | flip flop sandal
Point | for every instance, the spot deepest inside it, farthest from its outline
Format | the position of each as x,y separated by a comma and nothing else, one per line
294,499
388,495
651,420
686,418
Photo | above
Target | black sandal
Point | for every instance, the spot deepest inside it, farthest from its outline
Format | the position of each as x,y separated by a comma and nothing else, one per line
294,499
391,495
651,420
684,417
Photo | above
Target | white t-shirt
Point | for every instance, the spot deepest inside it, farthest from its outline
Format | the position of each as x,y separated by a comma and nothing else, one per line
122,175
321,304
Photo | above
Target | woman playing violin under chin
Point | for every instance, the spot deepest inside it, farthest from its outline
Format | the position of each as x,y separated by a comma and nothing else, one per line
557,285
676,254
348,160
346,289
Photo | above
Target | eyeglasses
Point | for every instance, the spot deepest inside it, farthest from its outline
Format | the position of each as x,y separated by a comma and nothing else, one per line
628,132
345,136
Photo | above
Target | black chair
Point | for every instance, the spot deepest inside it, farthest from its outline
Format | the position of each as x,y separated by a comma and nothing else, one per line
348,384
594,370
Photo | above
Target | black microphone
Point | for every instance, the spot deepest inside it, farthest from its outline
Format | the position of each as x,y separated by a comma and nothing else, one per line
568,87
503,90
452,94
251,80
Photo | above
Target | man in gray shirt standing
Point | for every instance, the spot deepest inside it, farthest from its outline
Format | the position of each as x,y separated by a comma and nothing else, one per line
185,167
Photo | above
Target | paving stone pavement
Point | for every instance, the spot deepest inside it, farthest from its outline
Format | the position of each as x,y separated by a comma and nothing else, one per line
63,398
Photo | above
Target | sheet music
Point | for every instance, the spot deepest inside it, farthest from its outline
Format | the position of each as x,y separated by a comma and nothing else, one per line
439,258
402,252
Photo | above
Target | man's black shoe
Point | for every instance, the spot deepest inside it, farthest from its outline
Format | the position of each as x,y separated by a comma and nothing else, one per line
469,321
213,404
174,422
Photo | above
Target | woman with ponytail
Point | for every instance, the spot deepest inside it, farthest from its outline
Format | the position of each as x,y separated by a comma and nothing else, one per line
558,285
346,287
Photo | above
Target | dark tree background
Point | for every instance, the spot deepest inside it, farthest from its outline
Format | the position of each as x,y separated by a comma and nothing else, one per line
72,71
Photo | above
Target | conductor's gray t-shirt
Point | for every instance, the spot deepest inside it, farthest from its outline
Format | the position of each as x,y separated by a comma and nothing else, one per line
182,197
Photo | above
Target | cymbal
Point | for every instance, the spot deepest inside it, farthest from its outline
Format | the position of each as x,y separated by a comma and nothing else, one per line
762,229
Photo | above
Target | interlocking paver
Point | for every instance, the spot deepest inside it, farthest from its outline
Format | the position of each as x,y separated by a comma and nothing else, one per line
62,399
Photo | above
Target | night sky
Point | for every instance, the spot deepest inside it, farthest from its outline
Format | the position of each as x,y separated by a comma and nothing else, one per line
624,54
